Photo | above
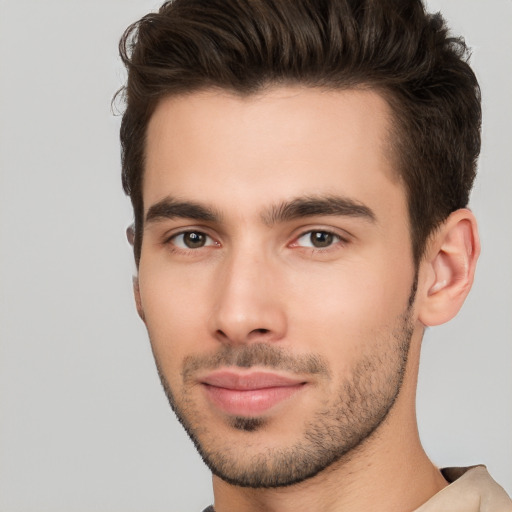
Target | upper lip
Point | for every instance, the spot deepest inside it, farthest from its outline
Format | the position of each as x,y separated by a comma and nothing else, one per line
247,381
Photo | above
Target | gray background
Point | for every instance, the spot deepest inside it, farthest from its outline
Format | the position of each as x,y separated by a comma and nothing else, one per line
84,425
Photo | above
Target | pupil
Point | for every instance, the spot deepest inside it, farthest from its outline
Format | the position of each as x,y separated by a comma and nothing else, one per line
194,240
321,239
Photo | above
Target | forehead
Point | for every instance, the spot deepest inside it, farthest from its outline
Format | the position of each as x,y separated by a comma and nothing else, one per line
216,147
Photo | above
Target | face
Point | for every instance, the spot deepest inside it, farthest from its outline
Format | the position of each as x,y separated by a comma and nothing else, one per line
276,278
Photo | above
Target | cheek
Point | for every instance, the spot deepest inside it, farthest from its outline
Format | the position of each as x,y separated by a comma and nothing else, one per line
340,309
176,307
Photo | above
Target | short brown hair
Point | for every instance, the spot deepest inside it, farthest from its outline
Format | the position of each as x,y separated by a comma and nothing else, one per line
392,46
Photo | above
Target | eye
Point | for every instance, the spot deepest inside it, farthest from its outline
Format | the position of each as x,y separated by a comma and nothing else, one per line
192,240
318,239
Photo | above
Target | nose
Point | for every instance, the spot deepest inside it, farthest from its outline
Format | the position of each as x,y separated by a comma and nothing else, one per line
248,304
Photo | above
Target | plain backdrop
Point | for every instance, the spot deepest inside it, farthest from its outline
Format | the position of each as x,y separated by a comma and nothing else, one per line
84,424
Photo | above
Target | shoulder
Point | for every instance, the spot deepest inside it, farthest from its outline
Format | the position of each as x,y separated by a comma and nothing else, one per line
471,489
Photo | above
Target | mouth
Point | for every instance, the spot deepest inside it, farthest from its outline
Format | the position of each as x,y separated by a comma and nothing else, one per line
249,394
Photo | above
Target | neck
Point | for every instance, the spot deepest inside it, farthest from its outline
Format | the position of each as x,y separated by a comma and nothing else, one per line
390,469
395,481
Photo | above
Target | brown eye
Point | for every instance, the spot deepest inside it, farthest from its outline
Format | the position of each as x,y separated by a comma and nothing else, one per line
318,239
192,240
321,238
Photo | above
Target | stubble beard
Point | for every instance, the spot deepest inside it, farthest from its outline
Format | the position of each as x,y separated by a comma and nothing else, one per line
334,433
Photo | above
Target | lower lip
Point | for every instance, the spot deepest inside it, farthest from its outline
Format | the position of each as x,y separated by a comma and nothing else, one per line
249,402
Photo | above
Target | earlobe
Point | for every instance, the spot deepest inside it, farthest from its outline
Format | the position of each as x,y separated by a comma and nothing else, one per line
138,301
450,267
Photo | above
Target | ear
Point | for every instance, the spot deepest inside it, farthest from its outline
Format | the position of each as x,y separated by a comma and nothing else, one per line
449,268
138,302
130,234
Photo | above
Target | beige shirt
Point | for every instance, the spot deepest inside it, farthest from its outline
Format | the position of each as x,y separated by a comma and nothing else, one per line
472,490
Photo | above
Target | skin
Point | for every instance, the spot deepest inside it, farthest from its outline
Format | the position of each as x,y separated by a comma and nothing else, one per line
356,302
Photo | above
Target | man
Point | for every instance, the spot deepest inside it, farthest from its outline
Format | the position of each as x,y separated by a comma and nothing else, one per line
300,173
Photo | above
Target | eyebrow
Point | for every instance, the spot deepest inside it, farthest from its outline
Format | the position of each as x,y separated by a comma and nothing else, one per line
170,208
311,206
300,207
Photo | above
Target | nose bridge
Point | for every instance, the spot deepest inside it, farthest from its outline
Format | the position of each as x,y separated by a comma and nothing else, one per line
247,306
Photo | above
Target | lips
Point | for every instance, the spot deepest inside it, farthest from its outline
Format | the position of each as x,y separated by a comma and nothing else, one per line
248,394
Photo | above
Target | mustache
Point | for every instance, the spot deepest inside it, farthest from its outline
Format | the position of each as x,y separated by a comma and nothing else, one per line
257,354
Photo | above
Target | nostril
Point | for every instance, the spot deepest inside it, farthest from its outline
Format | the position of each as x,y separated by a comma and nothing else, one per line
252,335
260,331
